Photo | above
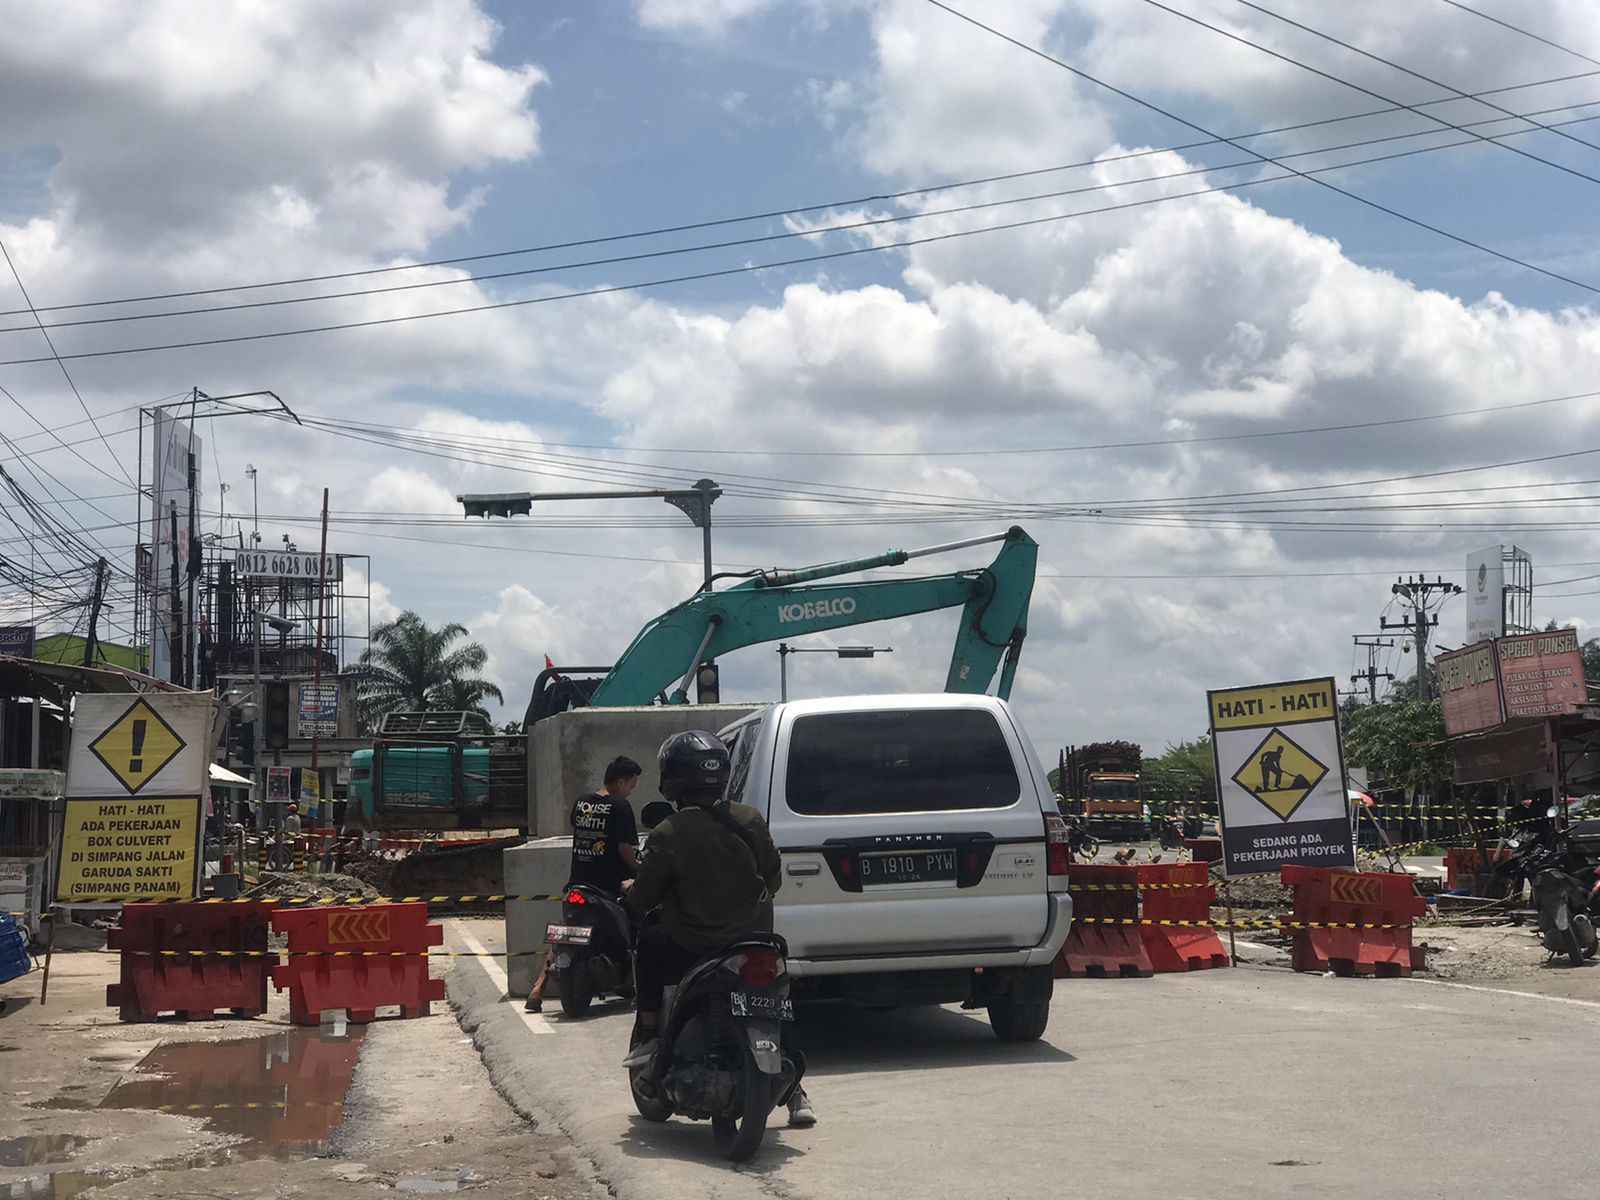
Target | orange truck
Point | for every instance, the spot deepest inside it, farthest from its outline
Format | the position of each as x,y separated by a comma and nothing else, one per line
1101,781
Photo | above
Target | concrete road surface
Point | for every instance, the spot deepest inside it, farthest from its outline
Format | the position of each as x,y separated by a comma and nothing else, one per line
1250,1082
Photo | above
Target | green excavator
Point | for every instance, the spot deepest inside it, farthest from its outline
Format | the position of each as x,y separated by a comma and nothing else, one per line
413,780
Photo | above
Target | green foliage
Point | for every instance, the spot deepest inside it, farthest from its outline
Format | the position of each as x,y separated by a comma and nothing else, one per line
1591,660
1401,743
410,667
1184,773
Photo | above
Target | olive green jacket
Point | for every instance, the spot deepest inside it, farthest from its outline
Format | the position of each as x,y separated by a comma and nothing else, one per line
713,878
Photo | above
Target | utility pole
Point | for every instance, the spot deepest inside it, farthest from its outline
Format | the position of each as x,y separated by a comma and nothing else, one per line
94,611
192,557
1372,674
323,805
175,624
1419,593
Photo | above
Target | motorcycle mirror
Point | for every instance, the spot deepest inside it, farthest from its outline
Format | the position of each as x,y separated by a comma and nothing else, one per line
1551,811
654,813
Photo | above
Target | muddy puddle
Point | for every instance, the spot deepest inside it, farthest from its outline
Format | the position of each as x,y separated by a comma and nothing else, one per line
282,1096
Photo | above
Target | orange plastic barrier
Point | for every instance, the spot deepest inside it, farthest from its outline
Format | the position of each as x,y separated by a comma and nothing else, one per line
1183,893
1102,891
357,959
1353,923
190,985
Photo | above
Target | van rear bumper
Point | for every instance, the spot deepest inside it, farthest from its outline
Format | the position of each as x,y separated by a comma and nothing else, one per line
1042,954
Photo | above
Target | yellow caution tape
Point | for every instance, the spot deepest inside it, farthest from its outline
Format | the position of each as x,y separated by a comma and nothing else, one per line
1272,923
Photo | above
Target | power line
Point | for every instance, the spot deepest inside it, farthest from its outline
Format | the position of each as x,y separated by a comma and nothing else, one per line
1481,15
1307,175
879,197
1328,37
818,230
65,374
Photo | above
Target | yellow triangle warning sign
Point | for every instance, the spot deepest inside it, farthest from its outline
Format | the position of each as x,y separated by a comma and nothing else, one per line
1280,773
136,746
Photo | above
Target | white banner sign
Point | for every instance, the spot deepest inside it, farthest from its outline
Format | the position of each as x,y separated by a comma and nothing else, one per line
1485,594
284,564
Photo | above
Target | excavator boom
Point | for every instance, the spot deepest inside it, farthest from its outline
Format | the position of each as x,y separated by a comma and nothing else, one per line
783,604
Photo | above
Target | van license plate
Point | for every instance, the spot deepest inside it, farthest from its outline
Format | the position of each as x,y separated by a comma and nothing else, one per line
909,866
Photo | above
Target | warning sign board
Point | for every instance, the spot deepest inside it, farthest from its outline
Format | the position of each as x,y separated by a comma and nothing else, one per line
152,745
1280,777
120,849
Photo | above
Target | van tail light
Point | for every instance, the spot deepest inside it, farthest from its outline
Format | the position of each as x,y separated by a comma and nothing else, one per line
576,897
1057,840
759,968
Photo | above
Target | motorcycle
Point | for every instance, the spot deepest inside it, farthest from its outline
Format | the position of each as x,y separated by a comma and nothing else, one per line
1170,832
593,948
1555,865
721,1055
1083,844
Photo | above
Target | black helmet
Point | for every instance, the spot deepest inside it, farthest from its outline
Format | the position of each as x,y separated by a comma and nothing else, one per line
694,767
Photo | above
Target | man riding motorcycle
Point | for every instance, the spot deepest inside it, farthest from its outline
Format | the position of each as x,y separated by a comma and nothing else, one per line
712,869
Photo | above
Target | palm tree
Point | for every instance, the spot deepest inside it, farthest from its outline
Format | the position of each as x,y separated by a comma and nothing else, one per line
409,667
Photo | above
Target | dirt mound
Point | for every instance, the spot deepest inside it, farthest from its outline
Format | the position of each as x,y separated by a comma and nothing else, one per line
275,886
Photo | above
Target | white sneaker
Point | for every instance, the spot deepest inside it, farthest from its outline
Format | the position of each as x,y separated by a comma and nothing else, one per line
801,1114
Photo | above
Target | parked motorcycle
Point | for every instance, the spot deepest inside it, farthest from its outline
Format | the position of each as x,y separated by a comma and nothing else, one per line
1559,866
593,946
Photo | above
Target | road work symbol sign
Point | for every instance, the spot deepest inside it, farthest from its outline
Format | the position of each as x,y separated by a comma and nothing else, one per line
136,746
157,744
1280,773
1280,777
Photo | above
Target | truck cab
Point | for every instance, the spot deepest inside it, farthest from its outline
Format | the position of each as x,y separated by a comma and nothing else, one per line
924,860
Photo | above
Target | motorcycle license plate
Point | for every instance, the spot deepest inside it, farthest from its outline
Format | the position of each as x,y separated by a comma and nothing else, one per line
912,866
754,1004
568,935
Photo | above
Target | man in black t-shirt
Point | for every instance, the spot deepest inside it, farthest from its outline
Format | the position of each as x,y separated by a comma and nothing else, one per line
605,845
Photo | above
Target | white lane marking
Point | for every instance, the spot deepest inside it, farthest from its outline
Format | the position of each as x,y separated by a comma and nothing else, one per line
1470,987
535,1022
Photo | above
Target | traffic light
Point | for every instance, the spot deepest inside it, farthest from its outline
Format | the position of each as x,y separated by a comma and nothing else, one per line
275,703
706,684
496,504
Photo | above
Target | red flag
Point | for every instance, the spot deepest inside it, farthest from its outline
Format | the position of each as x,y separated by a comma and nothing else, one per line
548,665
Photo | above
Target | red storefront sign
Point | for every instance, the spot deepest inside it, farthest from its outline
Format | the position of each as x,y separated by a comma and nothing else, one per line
1541,674
1469,688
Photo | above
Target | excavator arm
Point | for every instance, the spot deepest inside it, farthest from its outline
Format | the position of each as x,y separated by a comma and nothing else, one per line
782,604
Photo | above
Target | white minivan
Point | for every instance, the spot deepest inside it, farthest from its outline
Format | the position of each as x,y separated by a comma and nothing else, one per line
924,859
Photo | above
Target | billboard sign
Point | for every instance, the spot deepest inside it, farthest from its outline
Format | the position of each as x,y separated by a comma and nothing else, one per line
1280,776
173,442
1485,592
284,564
278,780
319,710
1541,674
1469,688
17,640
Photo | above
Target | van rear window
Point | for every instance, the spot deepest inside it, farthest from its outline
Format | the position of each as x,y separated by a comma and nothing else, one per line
924,760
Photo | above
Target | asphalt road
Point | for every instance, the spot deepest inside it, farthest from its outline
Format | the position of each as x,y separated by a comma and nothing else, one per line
1249,1082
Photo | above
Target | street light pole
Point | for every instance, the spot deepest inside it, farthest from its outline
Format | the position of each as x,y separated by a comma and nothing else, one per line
259,756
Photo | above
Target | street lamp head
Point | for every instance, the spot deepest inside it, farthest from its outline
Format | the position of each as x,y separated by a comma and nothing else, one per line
277,623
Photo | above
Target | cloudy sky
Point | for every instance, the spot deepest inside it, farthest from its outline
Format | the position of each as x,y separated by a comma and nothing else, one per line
1134,344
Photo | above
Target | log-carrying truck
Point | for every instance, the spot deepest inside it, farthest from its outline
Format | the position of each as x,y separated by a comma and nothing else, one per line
449,771
1102,782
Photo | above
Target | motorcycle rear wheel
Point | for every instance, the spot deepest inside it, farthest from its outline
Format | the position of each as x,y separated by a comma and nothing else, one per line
739,1138
576,991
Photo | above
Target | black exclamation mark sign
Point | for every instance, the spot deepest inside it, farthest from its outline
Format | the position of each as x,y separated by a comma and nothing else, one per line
136,763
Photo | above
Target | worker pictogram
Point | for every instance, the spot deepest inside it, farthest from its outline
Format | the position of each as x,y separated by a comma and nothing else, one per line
1280,773
345,929
137,745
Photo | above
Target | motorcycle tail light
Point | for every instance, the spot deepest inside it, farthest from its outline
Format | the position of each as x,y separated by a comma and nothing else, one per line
1057,838
761,968
576,897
